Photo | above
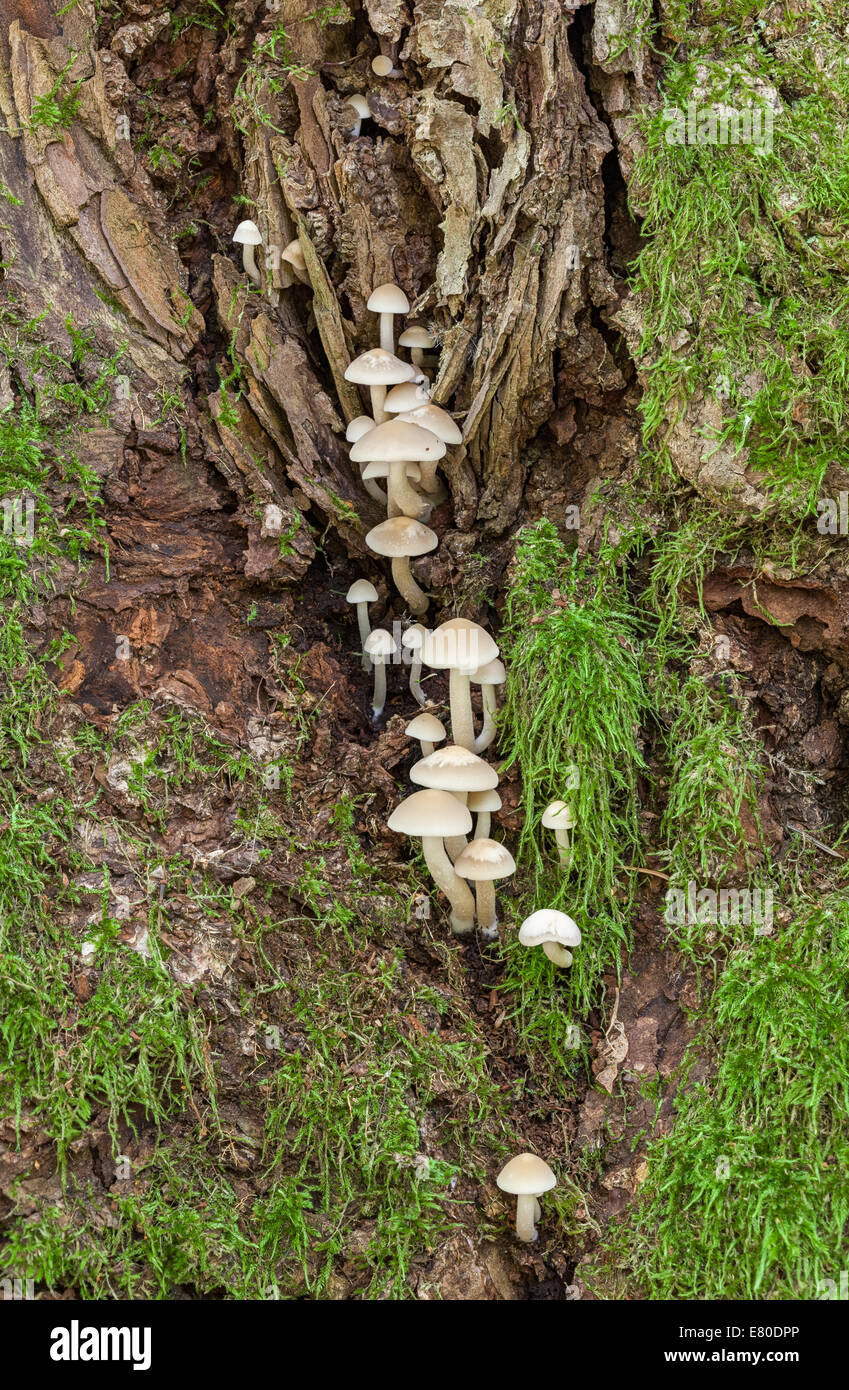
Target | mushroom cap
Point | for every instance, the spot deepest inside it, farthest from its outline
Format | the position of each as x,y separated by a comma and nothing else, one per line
454,769
381,66
416,336
493,673
361,591
485,859
395,440
426,726
378,367
360,105
526,1176
558,816
388,299
401,536
248,234
484,801
380,643
459,645
549,925
294,255
376,469
431,813
358,427
413,636
434,418
410,395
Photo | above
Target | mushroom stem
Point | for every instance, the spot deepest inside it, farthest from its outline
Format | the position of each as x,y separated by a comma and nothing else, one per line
537,1210
485,897
487,733
416,686
564,848
557,953
401,492
462,724
455,844
387,336
376,491
249,262
428,475
415,598
378,396
427,747
417,356
379,700
455,889
365,629
526,1209
482,825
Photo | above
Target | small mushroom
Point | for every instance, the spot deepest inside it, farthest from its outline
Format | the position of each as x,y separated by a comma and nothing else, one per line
377,469
398,444
428,730
247,235
526,1177
409,395
558,817
553,931
294,256
412,639
378,369
434,815
362,593
484,862
363,111
388,300
418,340
401,539
381,646
483,804
488,677
455,770
382,66
460,647
357,428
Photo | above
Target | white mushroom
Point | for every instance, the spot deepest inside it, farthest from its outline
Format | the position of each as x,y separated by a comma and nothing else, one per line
401,539
362,593
428,730
418,340
455,770
411,641
398,444
381,646
553,931
294,256
247,235
526,1177
483,804
488,677
382,66
357,428
558,817
484,862
460,647
434,815
378,369
361,107
388,300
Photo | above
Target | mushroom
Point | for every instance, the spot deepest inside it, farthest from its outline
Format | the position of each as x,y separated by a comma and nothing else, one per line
400,539
483,804
427,729
388,300
397,443
378,369
456,770
294,256
438,422
412,639
485,861
526,1177
558,817
460,647
363,111
382,66
357,428
362,593
488,677
433,815
380,645
418,340
375,469
553,931
247,235
410,395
